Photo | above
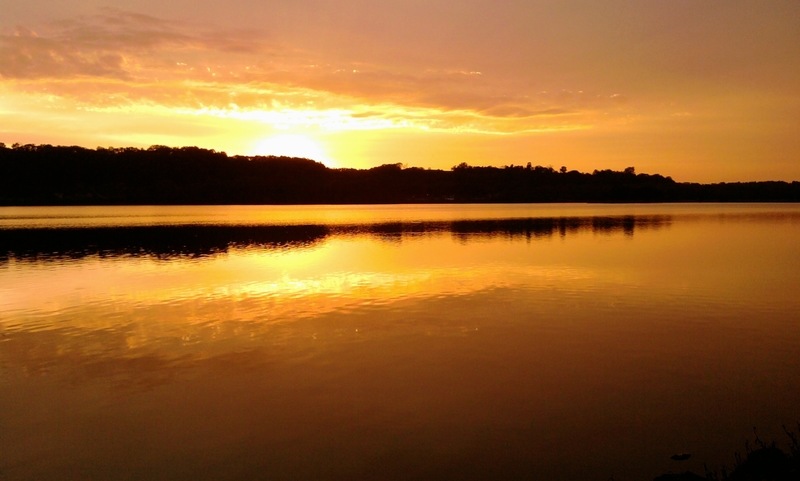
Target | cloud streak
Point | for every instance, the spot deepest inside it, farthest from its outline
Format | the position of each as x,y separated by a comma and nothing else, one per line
117,59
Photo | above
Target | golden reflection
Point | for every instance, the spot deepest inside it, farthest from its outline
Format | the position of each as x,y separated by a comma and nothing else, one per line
244,293
196,309
381,338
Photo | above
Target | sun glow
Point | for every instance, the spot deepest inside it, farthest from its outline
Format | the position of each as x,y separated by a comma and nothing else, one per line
294,145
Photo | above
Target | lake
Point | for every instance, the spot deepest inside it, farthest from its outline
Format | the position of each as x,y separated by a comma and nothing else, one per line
430,342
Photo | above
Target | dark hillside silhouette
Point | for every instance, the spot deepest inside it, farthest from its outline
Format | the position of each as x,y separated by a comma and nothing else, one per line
60,175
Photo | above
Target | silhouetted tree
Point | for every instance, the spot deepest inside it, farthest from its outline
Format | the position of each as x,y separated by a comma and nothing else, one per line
59,175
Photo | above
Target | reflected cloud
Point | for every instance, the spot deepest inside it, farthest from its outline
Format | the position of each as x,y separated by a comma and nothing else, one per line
136,346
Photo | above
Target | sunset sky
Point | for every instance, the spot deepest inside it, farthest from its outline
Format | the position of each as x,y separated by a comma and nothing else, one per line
701,90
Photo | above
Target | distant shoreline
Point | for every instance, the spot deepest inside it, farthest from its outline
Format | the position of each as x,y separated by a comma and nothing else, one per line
47,175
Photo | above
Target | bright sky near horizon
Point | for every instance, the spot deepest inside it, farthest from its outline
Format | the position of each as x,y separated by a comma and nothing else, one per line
701,90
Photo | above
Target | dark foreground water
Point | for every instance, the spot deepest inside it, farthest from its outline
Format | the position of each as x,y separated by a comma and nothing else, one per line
554,342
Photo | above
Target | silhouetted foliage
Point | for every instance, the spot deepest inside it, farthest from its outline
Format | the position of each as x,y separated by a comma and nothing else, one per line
70,175
197,240
167,241
764,462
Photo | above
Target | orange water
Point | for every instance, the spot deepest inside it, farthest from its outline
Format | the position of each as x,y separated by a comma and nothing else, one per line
570,342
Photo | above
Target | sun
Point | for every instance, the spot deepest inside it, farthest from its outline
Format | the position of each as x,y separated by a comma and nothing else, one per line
293,145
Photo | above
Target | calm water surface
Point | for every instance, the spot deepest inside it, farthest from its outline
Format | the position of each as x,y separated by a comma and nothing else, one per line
552,342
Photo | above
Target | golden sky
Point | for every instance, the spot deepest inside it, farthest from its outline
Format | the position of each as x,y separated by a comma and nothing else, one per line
700,90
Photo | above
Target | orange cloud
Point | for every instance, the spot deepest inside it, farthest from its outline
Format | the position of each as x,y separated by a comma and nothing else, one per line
118,59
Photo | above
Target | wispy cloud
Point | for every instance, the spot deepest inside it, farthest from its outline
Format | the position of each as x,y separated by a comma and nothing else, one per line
117,59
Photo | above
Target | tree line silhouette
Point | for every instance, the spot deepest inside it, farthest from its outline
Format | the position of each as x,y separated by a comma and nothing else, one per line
197,240
160,175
